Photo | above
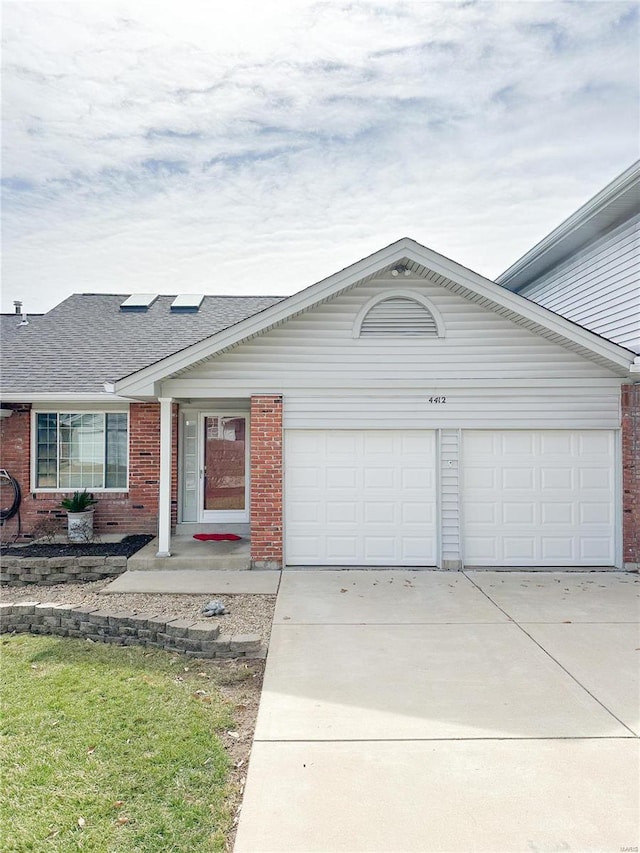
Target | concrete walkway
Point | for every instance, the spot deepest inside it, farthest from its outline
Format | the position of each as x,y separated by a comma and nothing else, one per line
189,553
423,711
196,582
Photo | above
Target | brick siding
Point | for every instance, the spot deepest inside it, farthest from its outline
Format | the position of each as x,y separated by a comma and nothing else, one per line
631,474
132,511
266,481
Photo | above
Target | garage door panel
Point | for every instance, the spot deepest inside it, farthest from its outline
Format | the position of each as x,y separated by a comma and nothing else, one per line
480,478
595,513
484,548
542,497
562,444
519,513
337,512
557,478
379,478
595,443
303,477
519,548
480,513
515,443
379,548
340,547
305,512
557,547
517,478
594,548
416,477
557,513
595,478
417,513
378,443
379,513
337,443
374,495
305,545
414,547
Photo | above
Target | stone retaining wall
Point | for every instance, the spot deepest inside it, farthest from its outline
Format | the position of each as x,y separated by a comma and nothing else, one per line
194,639
21,571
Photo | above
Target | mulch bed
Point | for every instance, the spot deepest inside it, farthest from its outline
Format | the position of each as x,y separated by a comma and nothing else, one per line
125,548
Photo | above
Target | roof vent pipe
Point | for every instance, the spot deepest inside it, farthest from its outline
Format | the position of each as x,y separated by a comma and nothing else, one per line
23,319
17,306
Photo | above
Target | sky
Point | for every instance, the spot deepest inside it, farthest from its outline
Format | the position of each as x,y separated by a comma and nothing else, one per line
235,147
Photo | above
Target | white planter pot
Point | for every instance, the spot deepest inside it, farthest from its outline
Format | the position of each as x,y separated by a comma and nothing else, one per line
80,526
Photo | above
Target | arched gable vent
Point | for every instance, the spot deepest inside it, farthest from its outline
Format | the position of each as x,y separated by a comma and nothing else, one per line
397,316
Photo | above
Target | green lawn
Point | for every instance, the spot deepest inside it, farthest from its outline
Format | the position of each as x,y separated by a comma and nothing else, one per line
109,749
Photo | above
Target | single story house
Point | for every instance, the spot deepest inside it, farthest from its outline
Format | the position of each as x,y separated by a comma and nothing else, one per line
405,411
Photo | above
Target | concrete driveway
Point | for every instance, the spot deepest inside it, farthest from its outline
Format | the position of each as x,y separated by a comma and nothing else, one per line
424,711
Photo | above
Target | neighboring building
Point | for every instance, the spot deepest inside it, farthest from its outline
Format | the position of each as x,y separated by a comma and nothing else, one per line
588,270
405,411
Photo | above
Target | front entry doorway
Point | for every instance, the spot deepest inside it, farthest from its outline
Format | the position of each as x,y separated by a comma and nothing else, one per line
224,467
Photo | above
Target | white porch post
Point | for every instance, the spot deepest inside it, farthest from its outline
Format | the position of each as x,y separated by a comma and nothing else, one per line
164,497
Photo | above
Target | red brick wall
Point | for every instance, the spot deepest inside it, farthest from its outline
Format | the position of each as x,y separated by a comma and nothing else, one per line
631,472
266,481
133,511
15,441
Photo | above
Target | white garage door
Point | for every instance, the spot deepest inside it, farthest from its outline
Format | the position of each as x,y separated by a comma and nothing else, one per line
360,497
543,497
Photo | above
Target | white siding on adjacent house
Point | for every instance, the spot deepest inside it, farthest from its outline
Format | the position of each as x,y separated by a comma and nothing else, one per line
599,287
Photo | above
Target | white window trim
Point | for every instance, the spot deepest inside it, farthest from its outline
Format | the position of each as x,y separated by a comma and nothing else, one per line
400,294
49,410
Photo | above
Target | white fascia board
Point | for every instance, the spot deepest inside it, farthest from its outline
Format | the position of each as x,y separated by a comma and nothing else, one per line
525,308
621,195
42,397
143,381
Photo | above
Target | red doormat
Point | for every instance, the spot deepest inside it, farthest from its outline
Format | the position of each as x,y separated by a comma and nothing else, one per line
216,537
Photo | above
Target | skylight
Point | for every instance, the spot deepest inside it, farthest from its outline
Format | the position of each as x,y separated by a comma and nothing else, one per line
138,302
187,302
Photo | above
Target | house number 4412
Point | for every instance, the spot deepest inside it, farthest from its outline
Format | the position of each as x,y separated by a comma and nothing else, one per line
437,399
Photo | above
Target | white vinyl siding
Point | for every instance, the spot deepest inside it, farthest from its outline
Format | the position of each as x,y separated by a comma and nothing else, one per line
579,407
450,498
316,351
599,287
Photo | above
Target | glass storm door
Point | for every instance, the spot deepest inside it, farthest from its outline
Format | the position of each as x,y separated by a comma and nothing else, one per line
225,493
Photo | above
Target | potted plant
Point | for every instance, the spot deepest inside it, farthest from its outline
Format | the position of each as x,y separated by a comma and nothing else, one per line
79,516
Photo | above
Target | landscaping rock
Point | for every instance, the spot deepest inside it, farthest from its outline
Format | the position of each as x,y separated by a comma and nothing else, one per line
214,608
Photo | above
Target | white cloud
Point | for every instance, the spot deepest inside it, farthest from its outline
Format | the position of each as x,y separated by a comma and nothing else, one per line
255,148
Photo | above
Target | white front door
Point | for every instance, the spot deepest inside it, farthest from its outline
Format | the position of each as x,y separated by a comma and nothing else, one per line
538,498
224,471
360,497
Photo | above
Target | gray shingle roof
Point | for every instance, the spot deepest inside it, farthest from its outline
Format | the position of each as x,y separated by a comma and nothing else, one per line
86,340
